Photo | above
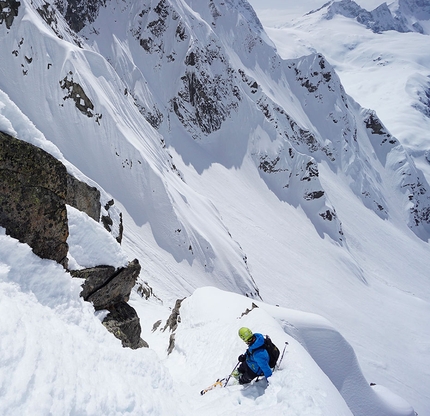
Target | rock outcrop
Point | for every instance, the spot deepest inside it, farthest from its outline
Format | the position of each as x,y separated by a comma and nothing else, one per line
33,191
109,289
35,188
8,11
172,324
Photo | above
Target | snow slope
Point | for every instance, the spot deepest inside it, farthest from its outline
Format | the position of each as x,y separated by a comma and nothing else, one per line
387,72
319,363
58,359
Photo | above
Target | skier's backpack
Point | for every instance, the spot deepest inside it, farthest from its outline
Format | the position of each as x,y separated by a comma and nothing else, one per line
272,350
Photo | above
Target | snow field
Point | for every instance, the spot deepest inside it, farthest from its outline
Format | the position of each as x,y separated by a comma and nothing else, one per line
57,358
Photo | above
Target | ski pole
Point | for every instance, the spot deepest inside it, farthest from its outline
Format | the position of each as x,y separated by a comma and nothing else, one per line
278,366
232,371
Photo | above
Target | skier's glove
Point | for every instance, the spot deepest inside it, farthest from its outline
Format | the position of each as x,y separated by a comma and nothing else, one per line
241,358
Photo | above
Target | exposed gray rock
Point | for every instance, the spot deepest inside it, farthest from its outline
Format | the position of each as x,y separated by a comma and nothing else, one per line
95,278
8,11
156,325
124,323
423,104
172,323
77,94
33,188
381,18
175,317
83,197
79,13
112,221
104,286
247,311
109,288
171,345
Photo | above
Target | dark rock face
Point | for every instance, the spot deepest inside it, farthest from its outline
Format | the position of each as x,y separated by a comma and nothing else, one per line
124,323
423,104
83,197
79,13
206,98
77,94
104,286
33,189
109,288
8,11
109,223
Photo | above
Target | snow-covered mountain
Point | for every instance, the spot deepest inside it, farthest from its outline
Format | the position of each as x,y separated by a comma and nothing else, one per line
401,15
234,168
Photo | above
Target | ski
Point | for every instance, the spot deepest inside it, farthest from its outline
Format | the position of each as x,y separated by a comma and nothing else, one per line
219,383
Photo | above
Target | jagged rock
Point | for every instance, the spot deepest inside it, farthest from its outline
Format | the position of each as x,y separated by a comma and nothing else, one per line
381,18
33,188
156,325
175,317
83,197
172,323
109,288
79,13
124,323
8,11
104,286
112,221
247,311
423,94
95,278
171,345
77,94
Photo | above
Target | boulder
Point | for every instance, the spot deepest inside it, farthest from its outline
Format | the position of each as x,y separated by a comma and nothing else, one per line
33,186
109,289
124,323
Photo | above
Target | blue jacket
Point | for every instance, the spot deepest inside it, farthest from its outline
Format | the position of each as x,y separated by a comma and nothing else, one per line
257,358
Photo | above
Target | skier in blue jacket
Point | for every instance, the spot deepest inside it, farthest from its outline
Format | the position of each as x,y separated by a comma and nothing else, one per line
255,361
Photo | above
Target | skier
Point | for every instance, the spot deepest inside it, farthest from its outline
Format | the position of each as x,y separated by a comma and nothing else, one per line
255,361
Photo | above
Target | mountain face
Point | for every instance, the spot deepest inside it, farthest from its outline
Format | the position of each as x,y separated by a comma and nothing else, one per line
204,72
215,81
401,16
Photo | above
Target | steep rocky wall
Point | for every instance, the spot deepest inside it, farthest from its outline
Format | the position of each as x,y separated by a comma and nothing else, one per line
34,190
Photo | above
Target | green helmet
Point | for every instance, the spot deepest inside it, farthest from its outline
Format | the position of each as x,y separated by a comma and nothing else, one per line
245,334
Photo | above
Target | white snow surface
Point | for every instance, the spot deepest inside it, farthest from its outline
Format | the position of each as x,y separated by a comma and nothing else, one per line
58,359
352,314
